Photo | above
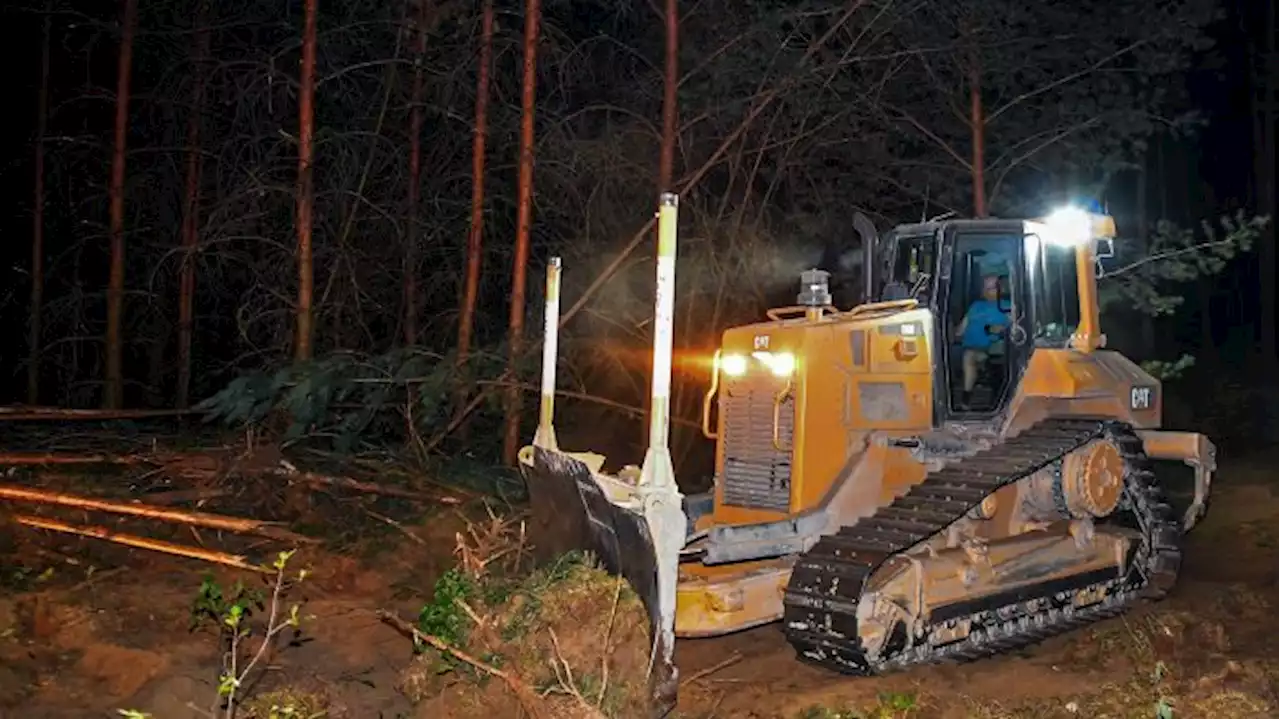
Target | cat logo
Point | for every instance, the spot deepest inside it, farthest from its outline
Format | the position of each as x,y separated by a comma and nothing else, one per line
1141,398
761,342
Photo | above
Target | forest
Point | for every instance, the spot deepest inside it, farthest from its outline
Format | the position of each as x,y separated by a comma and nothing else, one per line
352,204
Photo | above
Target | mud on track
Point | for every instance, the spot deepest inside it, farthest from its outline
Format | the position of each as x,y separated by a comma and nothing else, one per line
77,647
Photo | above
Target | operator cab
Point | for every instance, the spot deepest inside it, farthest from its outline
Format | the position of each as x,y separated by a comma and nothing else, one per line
997,290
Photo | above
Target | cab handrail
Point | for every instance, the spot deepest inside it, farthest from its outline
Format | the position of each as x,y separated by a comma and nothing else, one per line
883,306
710,395
778,399
776,314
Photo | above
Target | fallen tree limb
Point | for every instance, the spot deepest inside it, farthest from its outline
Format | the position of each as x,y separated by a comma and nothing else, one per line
393,523
133,540
731,660
358,486
38,458
239,525
525,694
20,413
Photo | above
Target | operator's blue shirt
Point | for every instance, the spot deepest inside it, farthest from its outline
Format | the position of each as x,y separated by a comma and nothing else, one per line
981,313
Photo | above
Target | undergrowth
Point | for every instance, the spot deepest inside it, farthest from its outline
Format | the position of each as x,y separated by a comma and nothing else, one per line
445,616
568,632
351,400
238,613
397,406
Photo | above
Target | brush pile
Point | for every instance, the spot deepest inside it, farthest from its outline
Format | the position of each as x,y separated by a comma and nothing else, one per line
566,640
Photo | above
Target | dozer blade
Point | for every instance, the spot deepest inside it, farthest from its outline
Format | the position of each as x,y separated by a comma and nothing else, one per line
572,510
635,530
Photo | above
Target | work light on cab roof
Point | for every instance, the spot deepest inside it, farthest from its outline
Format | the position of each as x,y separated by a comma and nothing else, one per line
1071,225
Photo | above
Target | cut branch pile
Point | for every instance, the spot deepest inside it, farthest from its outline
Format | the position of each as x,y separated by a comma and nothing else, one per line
539,633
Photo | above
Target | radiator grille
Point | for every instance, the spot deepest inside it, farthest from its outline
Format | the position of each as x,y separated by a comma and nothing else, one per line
755,475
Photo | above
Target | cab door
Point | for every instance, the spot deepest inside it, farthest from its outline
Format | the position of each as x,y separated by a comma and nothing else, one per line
973,251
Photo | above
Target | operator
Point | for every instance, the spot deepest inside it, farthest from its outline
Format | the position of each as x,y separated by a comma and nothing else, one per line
979,330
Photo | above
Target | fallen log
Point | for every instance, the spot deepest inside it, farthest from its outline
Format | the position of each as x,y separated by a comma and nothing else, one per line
133,540
240,525
360,486
38,458
19,413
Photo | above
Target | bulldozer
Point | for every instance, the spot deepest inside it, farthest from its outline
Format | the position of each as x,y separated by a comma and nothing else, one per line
955,467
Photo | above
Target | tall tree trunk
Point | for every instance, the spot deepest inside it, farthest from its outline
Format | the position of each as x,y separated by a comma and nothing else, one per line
978,134
306,113
191,209
475,236
410,278
524,217
113,394
37,220
671,79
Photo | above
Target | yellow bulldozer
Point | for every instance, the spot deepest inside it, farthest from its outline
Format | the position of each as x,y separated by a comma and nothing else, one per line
955,467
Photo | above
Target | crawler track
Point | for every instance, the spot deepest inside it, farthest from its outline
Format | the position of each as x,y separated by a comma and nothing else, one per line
822,597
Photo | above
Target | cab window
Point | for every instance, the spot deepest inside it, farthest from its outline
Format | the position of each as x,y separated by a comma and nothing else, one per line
1051,271
911,273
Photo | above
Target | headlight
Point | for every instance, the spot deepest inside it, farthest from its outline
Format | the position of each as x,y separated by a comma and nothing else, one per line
733,365
781,364
784,363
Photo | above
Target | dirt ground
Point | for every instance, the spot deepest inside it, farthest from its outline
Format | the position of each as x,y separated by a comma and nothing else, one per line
75,644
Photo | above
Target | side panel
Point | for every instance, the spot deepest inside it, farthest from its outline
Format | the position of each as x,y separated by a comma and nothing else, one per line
1102,383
